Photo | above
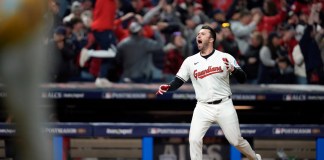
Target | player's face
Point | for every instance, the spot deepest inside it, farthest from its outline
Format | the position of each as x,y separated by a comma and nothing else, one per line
203,39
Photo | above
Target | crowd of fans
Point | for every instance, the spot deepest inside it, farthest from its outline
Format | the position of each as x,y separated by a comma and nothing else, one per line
144,41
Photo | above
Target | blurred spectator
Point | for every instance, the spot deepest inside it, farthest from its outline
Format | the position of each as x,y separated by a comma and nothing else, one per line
52,16
272,16
86,54
148,30
243,28
90,67
69,36
137,7
170,15
251,60
119,30
173,56
160,31
63,57
289,41
299,63
292,19
87,13
192,24
123,7
89,70
241,5
135,55
185,8
226,5
208,7
320,41
300,6
312,53
269,55
269,7
102,28
226,41
87,5
79,33
285,73
94,27
299,67
318,14
76,10
220,16
153,23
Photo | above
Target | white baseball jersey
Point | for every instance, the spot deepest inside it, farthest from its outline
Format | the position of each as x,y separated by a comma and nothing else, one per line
209,77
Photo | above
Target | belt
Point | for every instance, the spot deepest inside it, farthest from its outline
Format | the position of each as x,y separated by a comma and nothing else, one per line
218,101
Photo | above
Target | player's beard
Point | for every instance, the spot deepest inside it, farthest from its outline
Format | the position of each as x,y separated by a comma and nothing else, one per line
203,46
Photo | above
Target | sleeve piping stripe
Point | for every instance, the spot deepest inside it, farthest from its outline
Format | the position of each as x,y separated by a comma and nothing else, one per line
180,78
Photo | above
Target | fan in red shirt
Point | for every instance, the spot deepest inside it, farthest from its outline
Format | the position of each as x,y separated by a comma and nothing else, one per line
102,28
173,57
272,17
122,33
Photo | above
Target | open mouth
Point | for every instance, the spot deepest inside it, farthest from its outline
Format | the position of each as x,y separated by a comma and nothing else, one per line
199,41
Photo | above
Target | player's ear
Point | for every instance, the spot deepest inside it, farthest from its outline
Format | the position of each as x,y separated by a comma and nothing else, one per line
211,40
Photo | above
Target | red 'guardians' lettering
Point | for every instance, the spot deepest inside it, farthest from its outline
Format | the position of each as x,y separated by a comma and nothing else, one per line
209,71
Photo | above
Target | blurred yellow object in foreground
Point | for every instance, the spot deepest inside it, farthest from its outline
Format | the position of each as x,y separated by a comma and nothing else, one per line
19,19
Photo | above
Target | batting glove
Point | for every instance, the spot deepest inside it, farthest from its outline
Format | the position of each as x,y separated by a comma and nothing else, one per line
162,89
229,66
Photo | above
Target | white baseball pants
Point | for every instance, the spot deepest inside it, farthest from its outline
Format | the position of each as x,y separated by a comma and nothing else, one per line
225,115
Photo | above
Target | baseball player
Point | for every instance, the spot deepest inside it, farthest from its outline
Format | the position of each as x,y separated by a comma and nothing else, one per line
209,71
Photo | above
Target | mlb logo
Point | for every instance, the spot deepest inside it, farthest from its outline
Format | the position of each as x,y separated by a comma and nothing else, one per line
288,97
81,131
277,131
108,95
153,131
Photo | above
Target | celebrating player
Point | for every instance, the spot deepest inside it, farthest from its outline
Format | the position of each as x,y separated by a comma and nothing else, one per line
209,71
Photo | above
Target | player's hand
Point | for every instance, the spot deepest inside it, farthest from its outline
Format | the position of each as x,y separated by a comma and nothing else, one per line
229,66
162,89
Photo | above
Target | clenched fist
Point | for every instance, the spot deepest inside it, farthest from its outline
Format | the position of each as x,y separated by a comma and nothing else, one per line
162,89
